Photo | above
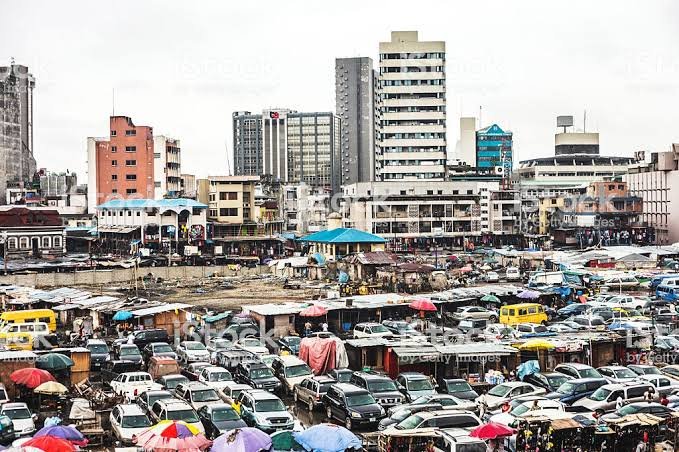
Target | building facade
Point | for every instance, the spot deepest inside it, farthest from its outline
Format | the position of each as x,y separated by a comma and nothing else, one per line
412,94
247,144
17,164
355,81
305,209
122,165
655,178
494,149
188,186
34,232
167,164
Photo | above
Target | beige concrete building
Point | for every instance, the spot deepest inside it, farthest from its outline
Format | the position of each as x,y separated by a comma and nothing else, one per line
231,199
412,92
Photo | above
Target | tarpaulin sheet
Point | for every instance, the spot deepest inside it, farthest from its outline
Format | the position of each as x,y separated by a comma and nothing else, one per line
318,353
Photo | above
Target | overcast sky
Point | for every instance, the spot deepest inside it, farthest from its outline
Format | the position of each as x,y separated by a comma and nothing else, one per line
184,67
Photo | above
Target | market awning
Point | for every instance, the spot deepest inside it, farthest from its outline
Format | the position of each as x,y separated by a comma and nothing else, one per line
117,229
416,355
480,349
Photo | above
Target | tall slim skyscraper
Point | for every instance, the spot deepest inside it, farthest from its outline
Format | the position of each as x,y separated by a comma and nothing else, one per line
17,164
247,144
355,104
412,88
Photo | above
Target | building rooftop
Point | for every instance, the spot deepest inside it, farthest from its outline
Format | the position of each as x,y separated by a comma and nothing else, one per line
343,235
151,203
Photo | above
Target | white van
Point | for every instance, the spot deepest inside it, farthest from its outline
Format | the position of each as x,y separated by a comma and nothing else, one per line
512,274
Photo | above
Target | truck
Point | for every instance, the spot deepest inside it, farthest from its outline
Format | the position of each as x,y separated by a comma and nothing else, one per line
542,278
131,384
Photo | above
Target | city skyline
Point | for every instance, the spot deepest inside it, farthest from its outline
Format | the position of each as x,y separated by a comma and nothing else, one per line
614,60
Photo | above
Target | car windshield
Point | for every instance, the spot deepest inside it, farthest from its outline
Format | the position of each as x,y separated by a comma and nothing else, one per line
400,415
624,373
379,329
293,340
627,409
172,383
519,410
129,351
221,345
297,371
382,386
410,422
343,377
269,405
98,349
557,380
194,346
204,395
500,391
17,413
224,414
251,343
600,394
566,388
135,421
260,372
458,386
153,398
220,376
672,341
589,373
188,416
325,386
420,385
3,394
163,348
360,400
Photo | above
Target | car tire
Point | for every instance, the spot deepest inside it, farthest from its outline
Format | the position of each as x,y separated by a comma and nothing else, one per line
310,405
328,413
492,319
348,424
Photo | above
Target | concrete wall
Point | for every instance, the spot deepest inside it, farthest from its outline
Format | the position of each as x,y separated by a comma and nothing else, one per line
123,275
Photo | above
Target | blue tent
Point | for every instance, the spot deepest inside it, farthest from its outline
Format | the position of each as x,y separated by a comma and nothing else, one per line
121,316
327,438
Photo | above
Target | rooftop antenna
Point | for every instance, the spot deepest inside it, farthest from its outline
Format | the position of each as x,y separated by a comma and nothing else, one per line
584,122
113,102
228,163
480,116
11,61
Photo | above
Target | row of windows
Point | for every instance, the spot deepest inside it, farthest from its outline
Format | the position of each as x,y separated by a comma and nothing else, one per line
128,133
412,56
25,243
129,191
413,82
127,177
127,163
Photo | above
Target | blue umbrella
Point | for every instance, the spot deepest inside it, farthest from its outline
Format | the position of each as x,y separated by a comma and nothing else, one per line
529,294
327,438
121,316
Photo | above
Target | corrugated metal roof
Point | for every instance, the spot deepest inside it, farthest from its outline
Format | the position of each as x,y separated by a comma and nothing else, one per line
343,235
159,309
479,348
151,203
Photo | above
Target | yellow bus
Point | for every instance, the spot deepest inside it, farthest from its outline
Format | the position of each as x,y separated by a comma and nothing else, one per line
523,313
28,316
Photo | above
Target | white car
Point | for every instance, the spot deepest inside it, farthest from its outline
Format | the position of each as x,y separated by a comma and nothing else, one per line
215,377
528,408
491,277
512,274
291,371
505,392
499,332
22,418
370,329
252,345
192,352
128,421
131,384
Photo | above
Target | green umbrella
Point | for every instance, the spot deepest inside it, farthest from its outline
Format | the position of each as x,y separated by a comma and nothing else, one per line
490,299
53,361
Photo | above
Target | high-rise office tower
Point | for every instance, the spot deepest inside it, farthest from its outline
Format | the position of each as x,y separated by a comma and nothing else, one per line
247,144
17,164
355,104
412,88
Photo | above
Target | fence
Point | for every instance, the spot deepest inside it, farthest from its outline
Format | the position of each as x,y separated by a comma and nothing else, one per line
121,275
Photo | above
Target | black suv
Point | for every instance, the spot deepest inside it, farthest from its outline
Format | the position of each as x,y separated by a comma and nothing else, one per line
257,375
352,405
144,337
382,388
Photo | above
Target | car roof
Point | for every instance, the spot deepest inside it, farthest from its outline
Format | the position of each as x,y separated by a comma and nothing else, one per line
371,376
586,380
436,413
130,408
368,324
575,365
322,378
214,369
515,384
613,367
218,406
261,394
174,377
172,403
96,341
290,360
195,385
14,405
348,387
412,375
136,373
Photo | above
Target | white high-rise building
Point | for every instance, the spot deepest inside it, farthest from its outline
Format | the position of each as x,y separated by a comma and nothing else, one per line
412,92
167,165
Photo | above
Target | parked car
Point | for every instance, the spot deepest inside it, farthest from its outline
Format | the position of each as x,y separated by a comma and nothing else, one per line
512,274
257,375
644,369
175,410
99,353
507,391
253,345
131,384
530,329
382,388
311,391
196,394
414,385
157,349
447,402
111,369
671,371
571,310
621,282
4,398
371,330
162,365
127,422
662,384
401,414
491,277
229,394
653,408
617,374
457,387
290,370
265,411
192,371
142,338
476,312
192,352
590,322
578,370
234,332
604,399
7,434
219,418
528,407
215,377
130,352
352,405
230,359
289,344
576,389
341,375
169,382
216,345
267,359
401,328
439,419
146,399
550,381
472,326
22,418
498,332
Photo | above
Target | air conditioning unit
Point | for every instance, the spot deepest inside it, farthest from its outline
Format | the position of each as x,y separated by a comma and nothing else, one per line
499,170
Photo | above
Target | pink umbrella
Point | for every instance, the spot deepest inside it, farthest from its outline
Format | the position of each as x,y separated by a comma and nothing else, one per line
491,430
466,269
313,311
423,305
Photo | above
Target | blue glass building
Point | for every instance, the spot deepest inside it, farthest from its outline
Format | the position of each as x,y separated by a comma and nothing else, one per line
494,148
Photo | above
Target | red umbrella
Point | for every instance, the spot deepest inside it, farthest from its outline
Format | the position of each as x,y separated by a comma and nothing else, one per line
491,430
313,311
31,377
50,444
422,305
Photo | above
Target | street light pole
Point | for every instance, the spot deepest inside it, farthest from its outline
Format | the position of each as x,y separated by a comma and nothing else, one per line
4,251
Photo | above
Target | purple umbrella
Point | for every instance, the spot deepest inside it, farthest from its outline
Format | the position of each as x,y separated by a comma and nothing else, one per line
246,439
67,432
529,294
